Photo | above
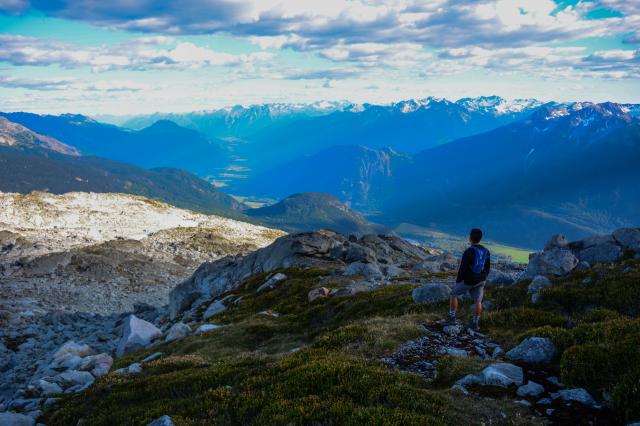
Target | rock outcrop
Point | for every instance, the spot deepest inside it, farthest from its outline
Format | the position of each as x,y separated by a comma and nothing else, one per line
560,257
369,256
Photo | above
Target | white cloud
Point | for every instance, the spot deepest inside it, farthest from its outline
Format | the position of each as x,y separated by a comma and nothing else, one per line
135,54
69,84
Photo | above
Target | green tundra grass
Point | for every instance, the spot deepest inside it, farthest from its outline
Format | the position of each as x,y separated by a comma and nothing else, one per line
320,363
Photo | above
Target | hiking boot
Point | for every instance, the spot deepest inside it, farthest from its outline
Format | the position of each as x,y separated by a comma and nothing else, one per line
474,325
451,320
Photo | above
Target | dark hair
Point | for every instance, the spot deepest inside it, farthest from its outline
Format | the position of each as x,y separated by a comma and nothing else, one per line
475,235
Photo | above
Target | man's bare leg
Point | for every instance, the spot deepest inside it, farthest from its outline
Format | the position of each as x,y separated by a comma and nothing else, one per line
453,308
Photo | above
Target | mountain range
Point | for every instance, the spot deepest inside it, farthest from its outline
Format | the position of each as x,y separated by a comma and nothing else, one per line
564,168
162,144
520,169
32,162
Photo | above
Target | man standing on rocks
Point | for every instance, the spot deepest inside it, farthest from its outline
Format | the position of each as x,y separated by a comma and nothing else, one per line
472,275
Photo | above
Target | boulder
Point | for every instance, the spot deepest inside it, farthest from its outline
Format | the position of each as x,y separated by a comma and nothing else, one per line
629,238
556,262
534,350
368,270
444,262
539,283
73,377
177,331
69,355
317,293
500,374
601,253
162,421
272,282
136,334
46,388
102,365
206,327
557,241
499,277
214,309
14,419
531,389
431,293
579,395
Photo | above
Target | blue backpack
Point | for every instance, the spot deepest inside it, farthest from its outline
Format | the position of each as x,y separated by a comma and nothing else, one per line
479,259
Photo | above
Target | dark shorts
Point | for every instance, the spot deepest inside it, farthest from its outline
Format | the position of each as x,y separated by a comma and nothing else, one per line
476,291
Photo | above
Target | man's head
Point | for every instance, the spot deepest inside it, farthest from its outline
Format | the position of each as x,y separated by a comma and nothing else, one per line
475,236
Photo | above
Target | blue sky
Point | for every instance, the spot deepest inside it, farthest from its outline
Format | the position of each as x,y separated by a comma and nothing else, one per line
141,56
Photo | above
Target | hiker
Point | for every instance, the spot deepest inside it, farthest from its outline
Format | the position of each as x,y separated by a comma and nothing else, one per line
474,268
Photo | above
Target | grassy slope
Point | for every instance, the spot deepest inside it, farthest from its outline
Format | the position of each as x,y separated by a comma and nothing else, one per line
319,363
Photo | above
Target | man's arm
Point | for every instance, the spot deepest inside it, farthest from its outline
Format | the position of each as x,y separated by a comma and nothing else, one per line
464,264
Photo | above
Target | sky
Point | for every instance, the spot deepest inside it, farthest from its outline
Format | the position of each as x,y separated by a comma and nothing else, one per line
141,56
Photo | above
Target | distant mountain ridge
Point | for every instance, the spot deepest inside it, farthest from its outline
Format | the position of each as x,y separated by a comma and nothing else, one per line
163,144
33,165
312,211
564,168
15,135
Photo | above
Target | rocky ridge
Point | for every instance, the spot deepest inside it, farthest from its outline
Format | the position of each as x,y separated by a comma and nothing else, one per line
65,249
353,265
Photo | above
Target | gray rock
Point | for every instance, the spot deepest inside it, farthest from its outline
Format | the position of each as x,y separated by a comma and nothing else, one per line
135,368
453,329
499,277
177,331
136,334
70,355
438,263
359,253
162,421
431,293
539,283
15,419
557,241
272,282
556,262
455,352
368,270
151,357
531,389
534,350
498,351
102,365
601,253
579,395
500,374
393,271
629,238
544,401
317,293
73,378
214,309
206,327
47,388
